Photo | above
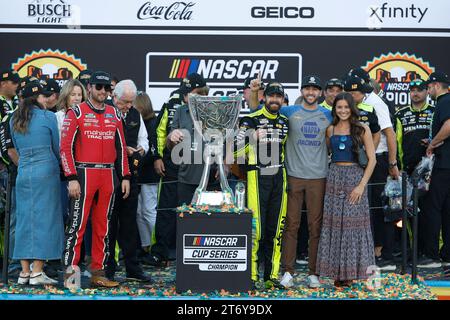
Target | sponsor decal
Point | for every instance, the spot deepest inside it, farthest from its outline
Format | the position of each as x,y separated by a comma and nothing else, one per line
386,12
49,64
394,72
224,73
109,115
215,252
49,11
282,12
175,11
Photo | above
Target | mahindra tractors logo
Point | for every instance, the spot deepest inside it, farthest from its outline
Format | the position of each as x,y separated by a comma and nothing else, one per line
176,11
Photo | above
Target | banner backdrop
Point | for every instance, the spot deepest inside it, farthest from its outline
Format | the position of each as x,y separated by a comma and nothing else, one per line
157,43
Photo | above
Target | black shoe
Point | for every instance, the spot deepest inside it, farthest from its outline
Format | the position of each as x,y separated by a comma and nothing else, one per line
385,265
140,277
428,263
51,271
152,260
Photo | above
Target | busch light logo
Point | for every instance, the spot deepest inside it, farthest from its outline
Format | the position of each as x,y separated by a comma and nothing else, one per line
175,11
49,11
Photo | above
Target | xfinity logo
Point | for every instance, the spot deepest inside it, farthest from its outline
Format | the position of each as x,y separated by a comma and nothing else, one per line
176,11
386,12
282,12
49,11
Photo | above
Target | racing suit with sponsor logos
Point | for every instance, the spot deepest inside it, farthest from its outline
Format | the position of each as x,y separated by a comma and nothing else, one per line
266,186
92,142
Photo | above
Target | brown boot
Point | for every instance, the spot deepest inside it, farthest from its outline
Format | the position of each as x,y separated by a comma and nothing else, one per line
98,279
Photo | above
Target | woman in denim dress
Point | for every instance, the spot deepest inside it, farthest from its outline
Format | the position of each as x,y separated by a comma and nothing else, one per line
39,228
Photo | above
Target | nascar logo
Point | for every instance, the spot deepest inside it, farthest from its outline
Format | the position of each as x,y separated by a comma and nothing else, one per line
224,69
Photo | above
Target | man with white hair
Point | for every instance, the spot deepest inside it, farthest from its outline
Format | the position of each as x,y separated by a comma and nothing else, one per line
123,225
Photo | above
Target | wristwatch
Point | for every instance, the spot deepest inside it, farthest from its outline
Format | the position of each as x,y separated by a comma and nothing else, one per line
392,164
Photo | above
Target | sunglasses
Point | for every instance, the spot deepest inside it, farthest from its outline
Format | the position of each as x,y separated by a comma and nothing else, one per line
99,87
342,144
416,83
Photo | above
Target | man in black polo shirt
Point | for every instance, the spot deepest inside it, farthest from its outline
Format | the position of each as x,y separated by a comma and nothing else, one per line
123,225
437,207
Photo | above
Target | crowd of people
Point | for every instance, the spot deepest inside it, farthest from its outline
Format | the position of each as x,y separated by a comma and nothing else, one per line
92,173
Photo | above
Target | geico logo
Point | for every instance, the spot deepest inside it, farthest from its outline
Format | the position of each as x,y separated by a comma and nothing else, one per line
283,12
231,69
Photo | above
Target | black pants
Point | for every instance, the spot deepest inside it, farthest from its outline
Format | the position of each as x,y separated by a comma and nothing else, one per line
384,232
267,198
165,226
437,214
123,227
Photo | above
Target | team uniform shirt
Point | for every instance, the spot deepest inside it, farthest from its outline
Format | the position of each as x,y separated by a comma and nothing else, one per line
306,150
277,127
441,115
384,118
368,116
93,136
8,106
411,127
162,129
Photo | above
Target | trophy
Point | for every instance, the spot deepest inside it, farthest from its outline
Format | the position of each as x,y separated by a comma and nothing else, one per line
214,119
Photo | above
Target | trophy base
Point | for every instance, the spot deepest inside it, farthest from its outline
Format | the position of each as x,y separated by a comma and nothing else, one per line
212,198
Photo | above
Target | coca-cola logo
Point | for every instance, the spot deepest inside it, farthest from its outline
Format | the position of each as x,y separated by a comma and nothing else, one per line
176,11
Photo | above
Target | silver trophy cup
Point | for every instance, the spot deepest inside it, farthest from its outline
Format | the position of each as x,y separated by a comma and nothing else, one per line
214,119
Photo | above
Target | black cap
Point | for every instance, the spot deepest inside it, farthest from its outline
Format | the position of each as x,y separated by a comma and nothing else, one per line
356,84
274,87
359,72
311,81
24,81
52,87
84,76
32,89
418,83
100,77
191,82
10,75
247,84
334,82
438,77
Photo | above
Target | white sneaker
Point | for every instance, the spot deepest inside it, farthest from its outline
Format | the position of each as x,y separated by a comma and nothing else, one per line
313,281
287,280
24,278
41,278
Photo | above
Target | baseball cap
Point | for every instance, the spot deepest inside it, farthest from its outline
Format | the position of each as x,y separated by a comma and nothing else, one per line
100,77
438,77
10,75
311,81
334,82
247,84
24,81
418,83
274,87
32,89
191,82
51,87
359,72
84,76
356,84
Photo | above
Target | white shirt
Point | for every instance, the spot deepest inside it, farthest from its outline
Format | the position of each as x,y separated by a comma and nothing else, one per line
384,119
60,115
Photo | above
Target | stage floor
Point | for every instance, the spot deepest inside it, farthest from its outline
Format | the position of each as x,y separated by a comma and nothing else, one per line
432,284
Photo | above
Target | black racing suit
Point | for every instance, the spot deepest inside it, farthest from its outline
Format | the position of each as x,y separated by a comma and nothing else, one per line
266,185
165,225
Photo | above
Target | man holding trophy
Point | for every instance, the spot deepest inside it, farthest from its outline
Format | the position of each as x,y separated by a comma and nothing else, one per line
261,139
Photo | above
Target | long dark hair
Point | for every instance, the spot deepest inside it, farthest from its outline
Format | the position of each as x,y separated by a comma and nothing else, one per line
22,115
356,129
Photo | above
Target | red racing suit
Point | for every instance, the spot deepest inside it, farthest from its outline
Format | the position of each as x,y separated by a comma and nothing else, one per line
92,149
